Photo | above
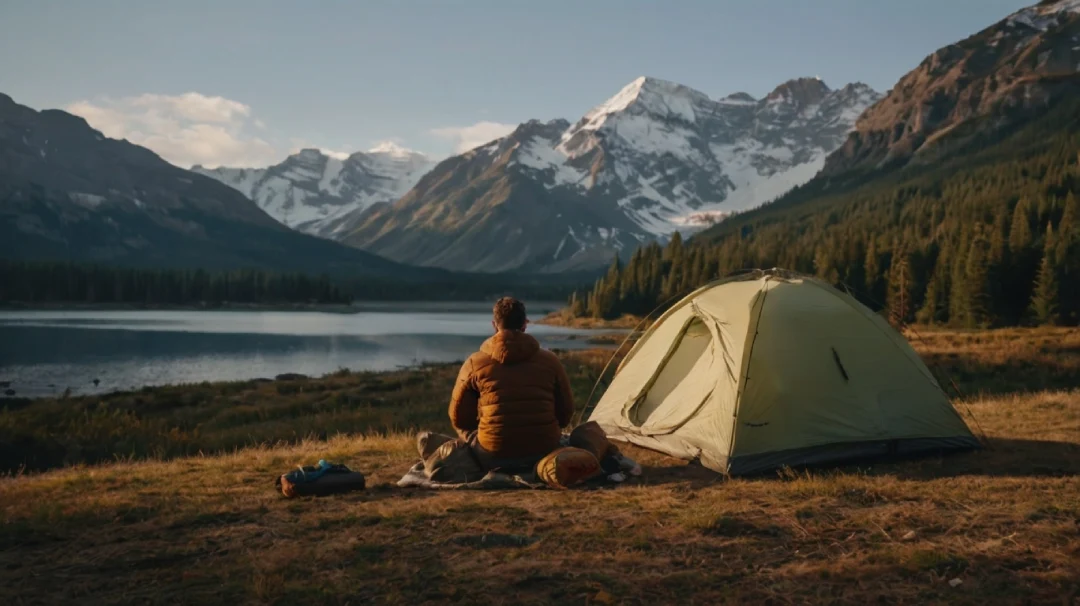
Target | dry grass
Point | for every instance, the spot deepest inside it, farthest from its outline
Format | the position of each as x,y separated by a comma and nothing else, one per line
1001,361
210,529
563,318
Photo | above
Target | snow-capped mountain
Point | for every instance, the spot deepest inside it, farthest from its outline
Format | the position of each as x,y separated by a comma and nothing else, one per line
655,158
317,193
67,192
674,153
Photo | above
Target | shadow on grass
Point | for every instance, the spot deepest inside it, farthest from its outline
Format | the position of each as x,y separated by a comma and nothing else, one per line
690,475
963,375
1001,457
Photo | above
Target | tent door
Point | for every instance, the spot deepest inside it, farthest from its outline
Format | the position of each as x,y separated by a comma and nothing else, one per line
681,385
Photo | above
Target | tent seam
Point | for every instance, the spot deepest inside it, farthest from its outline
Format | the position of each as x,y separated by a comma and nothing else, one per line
747,356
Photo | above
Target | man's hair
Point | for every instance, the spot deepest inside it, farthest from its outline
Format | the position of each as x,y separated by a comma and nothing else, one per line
509,314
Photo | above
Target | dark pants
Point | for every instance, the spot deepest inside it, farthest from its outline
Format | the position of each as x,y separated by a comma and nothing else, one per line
429,442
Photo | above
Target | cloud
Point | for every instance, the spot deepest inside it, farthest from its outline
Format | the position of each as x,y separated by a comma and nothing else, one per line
194,107
469,137
186,129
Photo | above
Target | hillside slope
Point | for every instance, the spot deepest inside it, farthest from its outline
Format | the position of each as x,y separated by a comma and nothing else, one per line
69,193
953,201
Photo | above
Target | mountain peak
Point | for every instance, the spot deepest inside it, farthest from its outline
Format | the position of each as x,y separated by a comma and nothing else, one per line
639,87
393,149
802,91
1000,76
647,95
1043,15
739,98
317,190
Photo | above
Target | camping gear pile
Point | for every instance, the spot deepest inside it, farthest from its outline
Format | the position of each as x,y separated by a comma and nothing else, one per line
319,480
585,455
772,369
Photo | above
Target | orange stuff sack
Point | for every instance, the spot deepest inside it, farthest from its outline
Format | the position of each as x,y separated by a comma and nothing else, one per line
566,467
591,437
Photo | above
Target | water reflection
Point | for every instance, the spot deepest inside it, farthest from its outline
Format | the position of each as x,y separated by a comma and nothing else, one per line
43,353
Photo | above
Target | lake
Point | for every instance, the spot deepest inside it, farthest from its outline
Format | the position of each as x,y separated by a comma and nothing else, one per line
44,352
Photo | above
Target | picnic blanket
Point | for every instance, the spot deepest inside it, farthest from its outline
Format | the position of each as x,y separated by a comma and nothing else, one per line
495,480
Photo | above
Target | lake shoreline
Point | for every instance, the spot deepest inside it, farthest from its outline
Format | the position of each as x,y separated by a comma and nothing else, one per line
91,350
562,318
341,308
357,306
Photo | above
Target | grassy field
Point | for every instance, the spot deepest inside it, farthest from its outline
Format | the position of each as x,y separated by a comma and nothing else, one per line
170,525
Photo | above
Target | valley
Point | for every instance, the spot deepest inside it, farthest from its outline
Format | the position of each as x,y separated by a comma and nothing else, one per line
239,241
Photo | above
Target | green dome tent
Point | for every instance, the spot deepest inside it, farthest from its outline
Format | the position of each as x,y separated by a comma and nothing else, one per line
768,369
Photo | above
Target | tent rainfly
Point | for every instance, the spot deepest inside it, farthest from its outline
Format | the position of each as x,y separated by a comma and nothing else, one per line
768,369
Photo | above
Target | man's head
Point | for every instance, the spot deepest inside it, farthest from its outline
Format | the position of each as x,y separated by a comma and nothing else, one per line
509,314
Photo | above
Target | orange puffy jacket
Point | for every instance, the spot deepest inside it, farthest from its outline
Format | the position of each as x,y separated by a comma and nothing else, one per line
515,394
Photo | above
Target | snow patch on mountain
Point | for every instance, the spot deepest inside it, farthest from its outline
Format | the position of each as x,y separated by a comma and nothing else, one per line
542,156
317,193
667,152
90,201
655,158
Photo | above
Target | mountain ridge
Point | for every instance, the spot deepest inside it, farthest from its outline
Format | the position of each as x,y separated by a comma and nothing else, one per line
1011,67
953,200
68,193
318,194
652,159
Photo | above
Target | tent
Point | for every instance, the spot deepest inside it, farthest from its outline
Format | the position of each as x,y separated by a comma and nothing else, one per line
771,368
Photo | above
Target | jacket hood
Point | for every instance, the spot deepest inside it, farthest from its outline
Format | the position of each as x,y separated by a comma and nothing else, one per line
510,346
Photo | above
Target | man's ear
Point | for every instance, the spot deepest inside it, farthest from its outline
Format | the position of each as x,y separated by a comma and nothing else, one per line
495,326
525,325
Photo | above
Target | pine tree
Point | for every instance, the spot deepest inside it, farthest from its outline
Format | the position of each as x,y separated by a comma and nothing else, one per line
998,239
674,248
577,306
873,272
901,289
1068,224
976,309
1020,237
1044,301
935,309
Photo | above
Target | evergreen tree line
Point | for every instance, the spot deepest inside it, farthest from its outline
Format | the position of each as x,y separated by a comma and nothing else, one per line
56,282
994,241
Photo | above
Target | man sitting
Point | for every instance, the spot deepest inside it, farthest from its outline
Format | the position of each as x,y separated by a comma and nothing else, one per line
512,398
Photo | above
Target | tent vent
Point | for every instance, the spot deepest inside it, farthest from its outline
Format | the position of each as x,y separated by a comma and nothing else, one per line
839,364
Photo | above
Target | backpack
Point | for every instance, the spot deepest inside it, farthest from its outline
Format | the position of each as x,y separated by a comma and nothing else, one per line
319,480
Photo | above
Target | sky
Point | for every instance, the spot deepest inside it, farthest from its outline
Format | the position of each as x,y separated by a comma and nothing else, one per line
246,82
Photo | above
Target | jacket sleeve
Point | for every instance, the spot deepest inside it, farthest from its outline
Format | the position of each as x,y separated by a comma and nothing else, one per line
564,396
465,400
